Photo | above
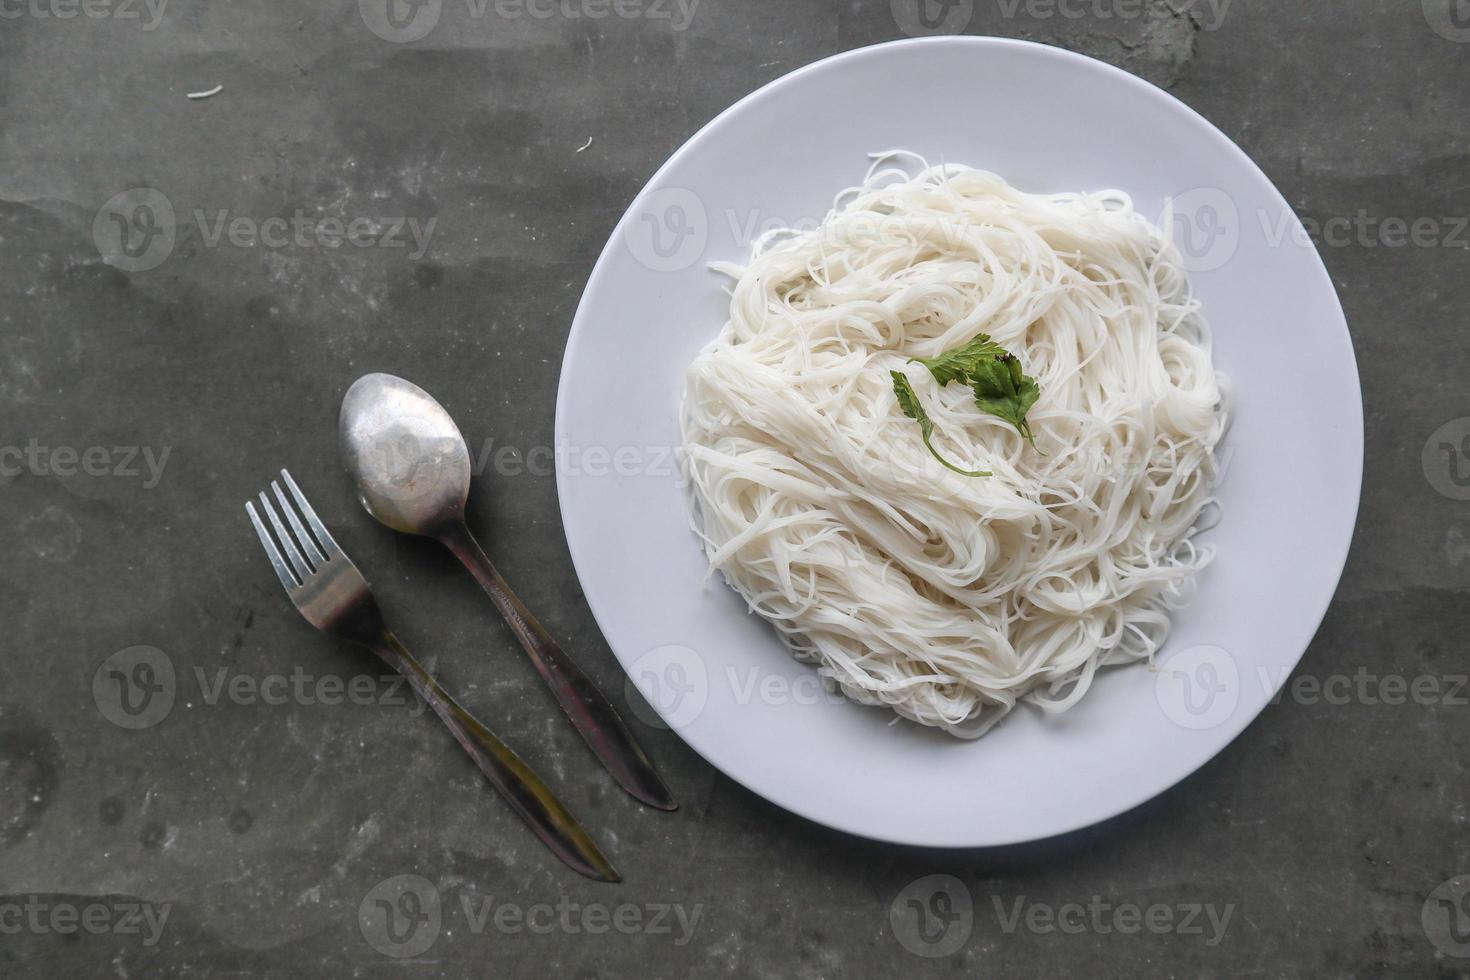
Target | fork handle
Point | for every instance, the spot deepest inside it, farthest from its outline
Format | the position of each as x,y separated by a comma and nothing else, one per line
526,793
589,710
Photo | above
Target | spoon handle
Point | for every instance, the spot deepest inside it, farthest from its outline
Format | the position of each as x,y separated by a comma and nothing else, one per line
589,710
531,798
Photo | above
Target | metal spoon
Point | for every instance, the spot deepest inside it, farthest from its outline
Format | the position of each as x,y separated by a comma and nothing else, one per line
412,470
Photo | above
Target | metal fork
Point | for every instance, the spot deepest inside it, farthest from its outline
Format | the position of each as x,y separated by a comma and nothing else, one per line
334,597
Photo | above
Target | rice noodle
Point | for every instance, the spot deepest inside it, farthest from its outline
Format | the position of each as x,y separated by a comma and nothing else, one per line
947,598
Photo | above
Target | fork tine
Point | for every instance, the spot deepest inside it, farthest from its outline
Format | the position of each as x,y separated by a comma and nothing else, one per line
288,545
322,534
271,551
307,544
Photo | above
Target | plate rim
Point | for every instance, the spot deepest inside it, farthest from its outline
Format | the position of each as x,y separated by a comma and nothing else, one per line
1231,731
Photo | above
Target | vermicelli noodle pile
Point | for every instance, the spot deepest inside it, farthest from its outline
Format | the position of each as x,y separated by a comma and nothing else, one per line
950,598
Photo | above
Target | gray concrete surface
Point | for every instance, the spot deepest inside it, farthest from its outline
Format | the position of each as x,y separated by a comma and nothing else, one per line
235,836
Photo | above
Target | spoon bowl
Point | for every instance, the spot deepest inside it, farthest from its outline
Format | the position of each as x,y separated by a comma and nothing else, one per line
406,455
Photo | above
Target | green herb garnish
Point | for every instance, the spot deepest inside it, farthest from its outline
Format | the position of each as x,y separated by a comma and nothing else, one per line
909,402
1002,390
963,364
991,371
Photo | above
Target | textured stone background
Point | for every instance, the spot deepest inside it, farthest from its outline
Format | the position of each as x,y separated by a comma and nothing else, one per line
264,829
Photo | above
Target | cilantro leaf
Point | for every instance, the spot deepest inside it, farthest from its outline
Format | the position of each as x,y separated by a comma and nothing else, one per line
964,363
909,402
994,374
1003,391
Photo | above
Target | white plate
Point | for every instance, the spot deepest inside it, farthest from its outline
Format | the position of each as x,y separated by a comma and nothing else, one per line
1046,120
